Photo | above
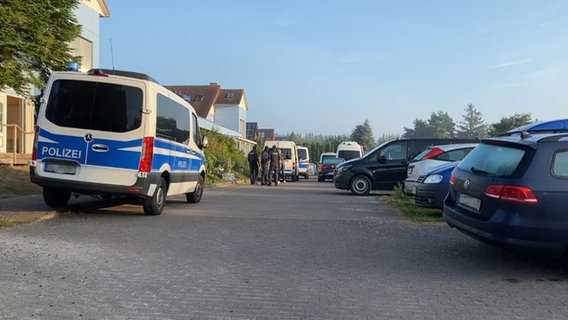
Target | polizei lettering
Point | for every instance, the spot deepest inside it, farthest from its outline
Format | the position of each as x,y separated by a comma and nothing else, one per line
61,152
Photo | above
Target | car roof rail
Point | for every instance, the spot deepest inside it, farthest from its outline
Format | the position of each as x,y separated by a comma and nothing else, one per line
122,73
523,133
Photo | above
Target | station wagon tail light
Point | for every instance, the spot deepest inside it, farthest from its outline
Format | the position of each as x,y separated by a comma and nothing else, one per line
147,154
516,194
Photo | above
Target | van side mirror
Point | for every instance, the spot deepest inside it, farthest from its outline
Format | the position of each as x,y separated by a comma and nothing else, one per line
204,142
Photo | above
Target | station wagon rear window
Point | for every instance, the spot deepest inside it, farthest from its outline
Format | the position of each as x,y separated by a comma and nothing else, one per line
94,105
495,160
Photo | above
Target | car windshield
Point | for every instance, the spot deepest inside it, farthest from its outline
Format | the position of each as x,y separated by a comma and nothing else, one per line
495,160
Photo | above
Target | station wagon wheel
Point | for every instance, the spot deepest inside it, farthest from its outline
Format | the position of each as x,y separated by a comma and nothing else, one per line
195,196
154,205
55,198
360,185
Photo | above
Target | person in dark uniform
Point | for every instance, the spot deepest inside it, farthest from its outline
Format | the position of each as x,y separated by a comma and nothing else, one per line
274,164
265,163
253,165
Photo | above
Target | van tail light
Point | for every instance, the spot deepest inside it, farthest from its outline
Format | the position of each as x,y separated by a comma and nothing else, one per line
34,148
516,194
147,154
433,153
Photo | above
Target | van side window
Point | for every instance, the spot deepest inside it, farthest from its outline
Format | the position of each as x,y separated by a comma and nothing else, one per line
94,105
395,151
172,121
195,129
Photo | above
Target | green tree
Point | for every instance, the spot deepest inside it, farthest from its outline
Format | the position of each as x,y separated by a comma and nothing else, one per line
440,125
363,135
472,125
508,123
34,41
388,137
421,130
443,124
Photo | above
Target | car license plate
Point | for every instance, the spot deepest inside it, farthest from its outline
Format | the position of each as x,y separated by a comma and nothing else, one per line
60,168
469,202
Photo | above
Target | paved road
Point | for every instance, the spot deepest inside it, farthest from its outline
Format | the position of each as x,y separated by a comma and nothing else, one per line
297,251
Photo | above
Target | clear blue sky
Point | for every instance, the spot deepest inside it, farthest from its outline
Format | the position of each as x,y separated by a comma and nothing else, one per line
325,66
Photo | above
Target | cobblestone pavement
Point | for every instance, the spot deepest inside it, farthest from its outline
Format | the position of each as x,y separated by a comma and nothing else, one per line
302,250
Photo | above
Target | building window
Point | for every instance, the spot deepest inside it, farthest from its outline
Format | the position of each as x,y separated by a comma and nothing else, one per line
230,95
83,48
198,97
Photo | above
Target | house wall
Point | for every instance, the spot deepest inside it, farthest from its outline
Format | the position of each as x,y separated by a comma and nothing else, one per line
231,117
89,20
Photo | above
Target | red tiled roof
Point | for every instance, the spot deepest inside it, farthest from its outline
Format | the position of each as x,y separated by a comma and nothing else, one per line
210,94
230,96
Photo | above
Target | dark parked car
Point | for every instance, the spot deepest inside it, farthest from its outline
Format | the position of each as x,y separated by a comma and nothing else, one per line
326,168
431,187
512,191
385,166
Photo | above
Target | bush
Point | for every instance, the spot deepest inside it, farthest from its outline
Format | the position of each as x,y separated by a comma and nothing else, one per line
222,156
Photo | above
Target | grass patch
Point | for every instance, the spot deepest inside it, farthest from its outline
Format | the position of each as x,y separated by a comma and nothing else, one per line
405,204
15,182
7,223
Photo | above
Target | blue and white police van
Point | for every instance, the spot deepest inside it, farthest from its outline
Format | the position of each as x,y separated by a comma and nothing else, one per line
116,133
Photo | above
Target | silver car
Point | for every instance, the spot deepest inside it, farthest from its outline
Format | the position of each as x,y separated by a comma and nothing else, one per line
433,157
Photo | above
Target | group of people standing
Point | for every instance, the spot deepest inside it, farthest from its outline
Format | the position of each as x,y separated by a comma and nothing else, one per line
271,164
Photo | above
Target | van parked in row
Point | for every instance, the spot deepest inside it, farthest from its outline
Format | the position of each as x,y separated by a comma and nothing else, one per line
116,133
383,167
289,157
349,150
304,162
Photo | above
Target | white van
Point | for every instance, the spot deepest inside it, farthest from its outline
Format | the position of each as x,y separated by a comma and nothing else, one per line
116,133
349,150
289,156
304,162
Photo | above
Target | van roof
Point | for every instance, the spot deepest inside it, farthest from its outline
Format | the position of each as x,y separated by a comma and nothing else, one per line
122,73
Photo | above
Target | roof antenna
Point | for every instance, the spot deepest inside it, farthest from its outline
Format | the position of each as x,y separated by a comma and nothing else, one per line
111,54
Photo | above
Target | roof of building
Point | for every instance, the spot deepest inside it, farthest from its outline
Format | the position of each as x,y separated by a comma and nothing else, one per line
202,97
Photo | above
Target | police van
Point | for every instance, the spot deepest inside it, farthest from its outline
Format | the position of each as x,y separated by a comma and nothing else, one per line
304,162
116,133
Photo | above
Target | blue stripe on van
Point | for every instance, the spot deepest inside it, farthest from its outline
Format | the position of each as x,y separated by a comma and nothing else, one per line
120,154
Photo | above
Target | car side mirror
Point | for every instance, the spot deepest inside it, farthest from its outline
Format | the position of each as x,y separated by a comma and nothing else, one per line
382,159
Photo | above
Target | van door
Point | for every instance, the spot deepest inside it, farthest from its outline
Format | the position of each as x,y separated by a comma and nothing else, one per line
391,165
95,125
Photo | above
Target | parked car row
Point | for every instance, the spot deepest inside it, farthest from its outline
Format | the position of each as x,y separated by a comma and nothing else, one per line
510,190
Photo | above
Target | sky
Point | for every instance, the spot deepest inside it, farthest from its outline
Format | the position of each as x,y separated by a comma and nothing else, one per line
326,66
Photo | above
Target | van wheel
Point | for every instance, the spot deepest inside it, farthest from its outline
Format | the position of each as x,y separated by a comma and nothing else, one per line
56,198
360,185
195,196
154,205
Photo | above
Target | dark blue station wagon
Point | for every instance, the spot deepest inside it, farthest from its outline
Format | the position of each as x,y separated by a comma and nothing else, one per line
512,191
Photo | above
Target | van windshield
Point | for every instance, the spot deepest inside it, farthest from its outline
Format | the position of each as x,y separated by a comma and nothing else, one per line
349,154
94,105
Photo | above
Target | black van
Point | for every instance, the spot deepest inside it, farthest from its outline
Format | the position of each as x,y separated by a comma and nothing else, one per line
385,166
